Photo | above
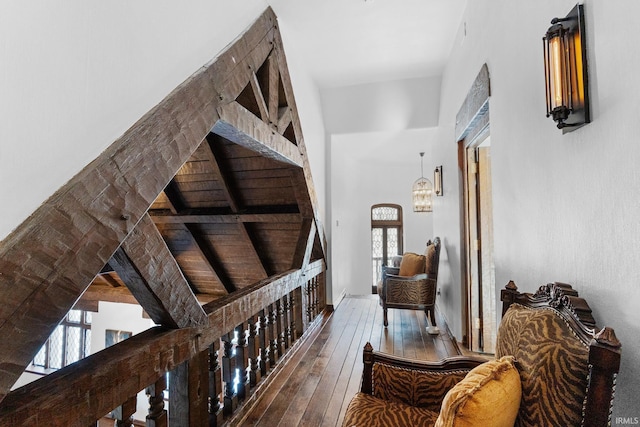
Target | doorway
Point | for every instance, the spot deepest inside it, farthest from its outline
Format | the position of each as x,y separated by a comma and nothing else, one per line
478,235
386,238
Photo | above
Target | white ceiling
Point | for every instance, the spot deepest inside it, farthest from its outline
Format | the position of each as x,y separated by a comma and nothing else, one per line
349,42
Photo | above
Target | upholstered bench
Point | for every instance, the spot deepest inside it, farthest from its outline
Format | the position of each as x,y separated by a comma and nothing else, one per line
553,367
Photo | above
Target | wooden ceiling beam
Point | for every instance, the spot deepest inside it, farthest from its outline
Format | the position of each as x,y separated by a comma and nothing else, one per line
145,264
274,83
238,125
231,218
257,92
207,252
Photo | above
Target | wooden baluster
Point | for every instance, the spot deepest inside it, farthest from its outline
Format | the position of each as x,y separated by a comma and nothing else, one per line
265,362
282,326
215,386
316,303
273,333
157,416
242,361
229,375
297,325
123,414
307,297
255,373
288,319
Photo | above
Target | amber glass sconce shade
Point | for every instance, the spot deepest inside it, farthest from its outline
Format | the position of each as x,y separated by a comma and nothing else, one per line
565,65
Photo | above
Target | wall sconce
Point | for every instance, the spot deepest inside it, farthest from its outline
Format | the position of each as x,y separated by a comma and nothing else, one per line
565,65
422,191
437,181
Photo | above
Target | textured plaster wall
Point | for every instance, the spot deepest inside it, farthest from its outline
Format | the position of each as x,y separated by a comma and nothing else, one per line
566,207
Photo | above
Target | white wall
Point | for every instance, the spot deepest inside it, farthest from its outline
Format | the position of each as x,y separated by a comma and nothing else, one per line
366,169
76,74
120,317
566,207
382,106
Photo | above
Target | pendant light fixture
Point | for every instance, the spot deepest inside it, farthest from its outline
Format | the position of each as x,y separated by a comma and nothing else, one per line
422,191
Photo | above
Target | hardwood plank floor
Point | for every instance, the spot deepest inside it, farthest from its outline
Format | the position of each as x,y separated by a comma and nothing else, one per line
316,383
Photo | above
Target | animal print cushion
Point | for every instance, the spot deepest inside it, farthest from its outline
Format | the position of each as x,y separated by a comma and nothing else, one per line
552,362
413,387
488,396
368,411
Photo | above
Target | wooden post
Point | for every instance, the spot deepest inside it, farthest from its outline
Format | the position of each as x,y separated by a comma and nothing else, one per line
215,386
188,392
123,414
157,416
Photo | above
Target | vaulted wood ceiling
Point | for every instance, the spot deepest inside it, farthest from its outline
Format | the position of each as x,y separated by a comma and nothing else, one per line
208,193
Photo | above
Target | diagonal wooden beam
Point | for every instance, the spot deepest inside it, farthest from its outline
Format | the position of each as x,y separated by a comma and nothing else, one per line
274,86
257,92
206,252
302,254
147,267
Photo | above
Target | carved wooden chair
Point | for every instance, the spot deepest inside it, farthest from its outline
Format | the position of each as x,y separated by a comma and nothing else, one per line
553,367
417,291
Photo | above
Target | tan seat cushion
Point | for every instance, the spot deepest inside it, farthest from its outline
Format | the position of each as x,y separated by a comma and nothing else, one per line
489,395
367,411
411,264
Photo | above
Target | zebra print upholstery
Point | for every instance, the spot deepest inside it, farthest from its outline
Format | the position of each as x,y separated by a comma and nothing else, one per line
567,367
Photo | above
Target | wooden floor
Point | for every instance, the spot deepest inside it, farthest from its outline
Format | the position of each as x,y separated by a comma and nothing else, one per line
315,385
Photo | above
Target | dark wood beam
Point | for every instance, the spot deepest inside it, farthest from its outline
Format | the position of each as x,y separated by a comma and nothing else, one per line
231,218
262,105
206,252
146,266
302,254
255,135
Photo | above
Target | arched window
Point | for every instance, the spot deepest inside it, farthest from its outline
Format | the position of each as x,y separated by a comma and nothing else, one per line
386,237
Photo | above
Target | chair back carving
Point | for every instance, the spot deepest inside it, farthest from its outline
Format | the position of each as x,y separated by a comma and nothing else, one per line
567,365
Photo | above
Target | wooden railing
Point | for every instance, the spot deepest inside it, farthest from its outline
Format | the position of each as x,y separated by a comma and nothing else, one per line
213,370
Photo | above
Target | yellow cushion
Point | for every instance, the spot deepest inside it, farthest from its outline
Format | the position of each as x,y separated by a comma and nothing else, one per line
488,396
411,264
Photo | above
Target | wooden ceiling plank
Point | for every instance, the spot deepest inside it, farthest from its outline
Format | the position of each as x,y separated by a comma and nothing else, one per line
216,156
147,267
